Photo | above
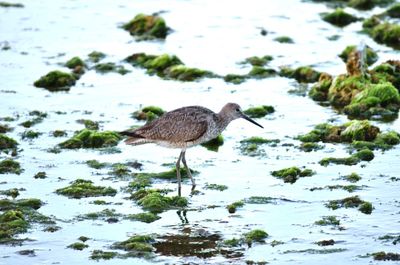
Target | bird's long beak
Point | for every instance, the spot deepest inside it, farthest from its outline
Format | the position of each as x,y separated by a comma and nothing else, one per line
250,120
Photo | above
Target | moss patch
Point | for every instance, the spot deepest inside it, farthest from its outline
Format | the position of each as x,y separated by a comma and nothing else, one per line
303,74
91,139
339,18
259,111
56,81
147,27
81,188
9,166
351,202
292,174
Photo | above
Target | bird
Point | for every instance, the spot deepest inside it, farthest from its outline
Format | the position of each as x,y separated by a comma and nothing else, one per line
185,127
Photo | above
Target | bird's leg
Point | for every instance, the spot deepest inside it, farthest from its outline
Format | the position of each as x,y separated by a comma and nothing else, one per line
188,170
178,172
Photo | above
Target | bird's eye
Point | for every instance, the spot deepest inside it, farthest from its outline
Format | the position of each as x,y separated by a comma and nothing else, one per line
237,110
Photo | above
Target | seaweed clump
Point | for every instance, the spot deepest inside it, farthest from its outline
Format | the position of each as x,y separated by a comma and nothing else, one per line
259,111
81,188
148,113
9,166
251,146
303,74
91,139
386,256
167,66
339,18
351,202
292,174
155,201
147,27
56,81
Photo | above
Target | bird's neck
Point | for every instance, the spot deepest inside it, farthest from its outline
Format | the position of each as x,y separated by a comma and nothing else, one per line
223,121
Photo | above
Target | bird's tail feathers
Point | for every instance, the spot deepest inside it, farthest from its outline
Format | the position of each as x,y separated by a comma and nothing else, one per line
137,141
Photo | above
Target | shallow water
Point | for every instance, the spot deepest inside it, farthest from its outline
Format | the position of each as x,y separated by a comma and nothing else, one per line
212,36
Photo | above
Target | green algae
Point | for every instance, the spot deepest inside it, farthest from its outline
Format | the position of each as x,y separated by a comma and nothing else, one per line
258,61
170,174
310,146
256,235
56,81
368,4
259,72
145,217
319,91
233,242
292,174
212,186
147,27
348,188
386,256
284,39
371,55
100,254
13,193
316,251
362,155
8,4
4,128
9,166
110,67
353,177
214,144
75,63
235,78
96,56
183,73
328,220
91,139
351,202
386,33
108,215
120,170
233,206
7,142
30,134
141,181
96,164
148,113
78,246
89,124
393,11
81,188
250,146
137,243
303,74
344,88
59,133
154,201
40,175
339,18
259,111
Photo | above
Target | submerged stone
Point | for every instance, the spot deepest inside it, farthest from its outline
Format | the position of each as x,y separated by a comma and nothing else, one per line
339,18
91,139
81,188
56,81
147,27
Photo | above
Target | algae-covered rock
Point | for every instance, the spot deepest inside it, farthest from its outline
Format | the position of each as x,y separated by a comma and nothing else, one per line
362,155
258,61
339,18
319,91
56,81
382,255
292,174
7,142
100,254
284,39
4,128
393,11
156,202
9,166
77,65
96,56
387,33
259,111
214,144
344,88
351,202
256,235
110,67
183,73
233,206
81,188
259,72
371,55
303,74
145,217
91,139
235,79
78,246
148,113
147,27
89,124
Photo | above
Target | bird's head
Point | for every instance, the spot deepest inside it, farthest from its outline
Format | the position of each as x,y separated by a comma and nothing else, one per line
233,111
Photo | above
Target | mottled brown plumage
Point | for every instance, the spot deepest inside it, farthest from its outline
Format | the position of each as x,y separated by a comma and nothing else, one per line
186,127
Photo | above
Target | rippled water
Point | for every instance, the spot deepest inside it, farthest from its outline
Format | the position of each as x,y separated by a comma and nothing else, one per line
212,35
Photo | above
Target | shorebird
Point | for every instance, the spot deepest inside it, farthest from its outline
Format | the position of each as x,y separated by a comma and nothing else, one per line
186,127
